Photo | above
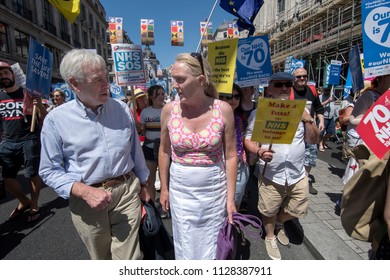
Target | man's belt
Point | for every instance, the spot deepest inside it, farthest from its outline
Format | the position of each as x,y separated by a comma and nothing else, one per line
108,183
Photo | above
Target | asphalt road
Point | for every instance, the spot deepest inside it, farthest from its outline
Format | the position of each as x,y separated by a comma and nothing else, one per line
53,237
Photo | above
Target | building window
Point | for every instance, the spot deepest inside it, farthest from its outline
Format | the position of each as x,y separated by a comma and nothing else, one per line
3,38
90,21
83,13
22,7
85,40
64,29
76,36
93,44
21,40
48,16
281,6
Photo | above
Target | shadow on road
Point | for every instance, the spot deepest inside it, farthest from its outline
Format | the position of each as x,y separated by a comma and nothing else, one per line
12,232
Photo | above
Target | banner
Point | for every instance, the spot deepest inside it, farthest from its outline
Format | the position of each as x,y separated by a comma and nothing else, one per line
177,33
376,37
374,128
348,84
115,26
232,30
288,63
355,67
206,33
116,91
128,64
222,58
326,76
20,77
253,61
69,9
69,94
277,120
39,70
334,72
147,32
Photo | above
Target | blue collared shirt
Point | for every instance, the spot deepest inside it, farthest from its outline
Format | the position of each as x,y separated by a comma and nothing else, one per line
81,146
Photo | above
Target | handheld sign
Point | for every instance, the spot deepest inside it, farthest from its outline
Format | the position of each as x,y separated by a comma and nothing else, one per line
222,58
128,64
374,128
253,61
39,69
277,120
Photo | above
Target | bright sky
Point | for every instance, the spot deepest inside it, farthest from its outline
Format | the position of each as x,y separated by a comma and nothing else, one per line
163,11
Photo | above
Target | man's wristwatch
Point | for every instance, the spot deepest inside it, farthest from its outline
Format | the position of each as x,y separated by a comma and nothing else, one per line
309,121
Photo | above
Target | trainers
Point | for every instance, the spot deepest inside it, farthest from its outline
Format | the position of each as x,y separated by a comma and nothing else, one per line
281,235
312,190
272,248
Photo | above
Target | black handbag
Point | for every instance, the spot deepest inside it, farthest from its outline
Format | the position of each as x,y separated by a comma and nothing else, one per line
155,241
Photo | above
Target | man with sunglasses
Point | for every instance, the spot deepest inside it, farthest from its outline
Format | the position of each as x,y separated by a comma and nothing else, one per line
301,90
283,186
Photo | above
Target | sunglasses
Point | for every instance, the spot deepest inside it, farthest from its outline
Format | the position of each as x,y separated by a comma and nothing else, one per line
281,84
230,97
198,56
301,76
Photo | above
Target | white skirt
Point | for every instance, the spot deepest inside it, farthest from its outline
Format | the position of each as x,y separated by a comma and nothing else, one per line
197,196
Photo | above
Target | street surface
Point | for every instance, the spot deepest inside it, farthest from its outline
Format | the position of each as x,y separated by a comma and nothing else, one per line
53,237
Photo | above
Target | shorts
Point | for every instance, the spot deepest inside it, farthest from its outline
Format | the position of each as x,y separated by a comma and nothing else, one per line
149,154
293,199
329,127
310,155
15,154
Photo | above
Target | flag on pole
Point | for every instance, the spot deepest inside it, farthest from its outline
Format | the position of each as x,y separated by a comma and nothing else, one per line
115,26
177,33
206,33
147,32
245,10
69,9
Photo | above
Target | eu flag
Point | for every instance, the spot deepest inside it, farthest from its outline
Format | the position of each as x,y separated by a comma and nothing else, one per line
245,10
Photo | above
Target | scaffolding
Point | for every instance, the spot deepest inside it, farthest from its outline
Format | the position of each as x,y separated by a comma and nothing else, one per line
317,31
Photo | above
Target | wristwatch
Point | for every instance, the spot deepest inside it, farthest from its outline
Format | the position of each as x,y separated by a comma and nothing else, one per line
309,121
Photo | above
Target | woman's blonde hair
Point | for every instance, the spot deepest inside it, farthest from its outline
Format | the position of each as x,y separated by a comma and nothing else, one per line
196,69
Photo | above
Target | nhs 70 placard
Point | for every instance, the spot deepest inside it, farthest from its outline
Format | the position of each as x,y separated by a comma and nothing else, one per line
128,64
253,61
374,128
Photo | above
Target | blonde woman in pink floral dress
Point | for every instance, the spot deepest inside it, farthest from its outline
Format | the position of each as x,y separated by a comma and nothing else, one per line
197,159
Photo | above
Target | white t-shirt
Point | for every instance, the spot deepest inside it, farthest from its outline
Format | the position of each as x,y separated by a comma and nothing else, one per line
287,164
151,117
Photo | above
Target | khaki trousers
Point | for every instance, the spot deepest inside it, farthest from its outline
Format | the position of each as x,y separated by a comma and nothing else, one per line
111,233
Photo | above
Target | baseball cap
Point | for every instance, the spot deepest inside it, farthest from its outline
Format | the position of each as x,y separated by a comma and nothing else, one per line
282,76
5,65
139,93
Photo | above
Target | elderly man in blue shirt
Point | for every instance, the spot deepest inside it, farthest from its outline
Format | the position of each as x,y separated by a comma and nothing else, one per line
91,155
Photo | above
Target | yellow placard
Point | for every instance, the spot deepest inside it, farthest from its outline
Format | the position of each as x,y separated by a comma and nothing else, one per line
277,120
222,58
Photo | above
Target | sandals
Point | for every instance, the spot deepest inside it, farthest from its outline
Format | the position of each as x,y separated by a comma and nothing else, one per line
17,212
33,215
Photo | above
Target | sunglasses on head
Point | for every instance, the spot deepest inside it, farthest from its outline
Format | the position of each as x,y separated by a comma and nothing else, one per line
281,84
198,56
301,76
230,97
